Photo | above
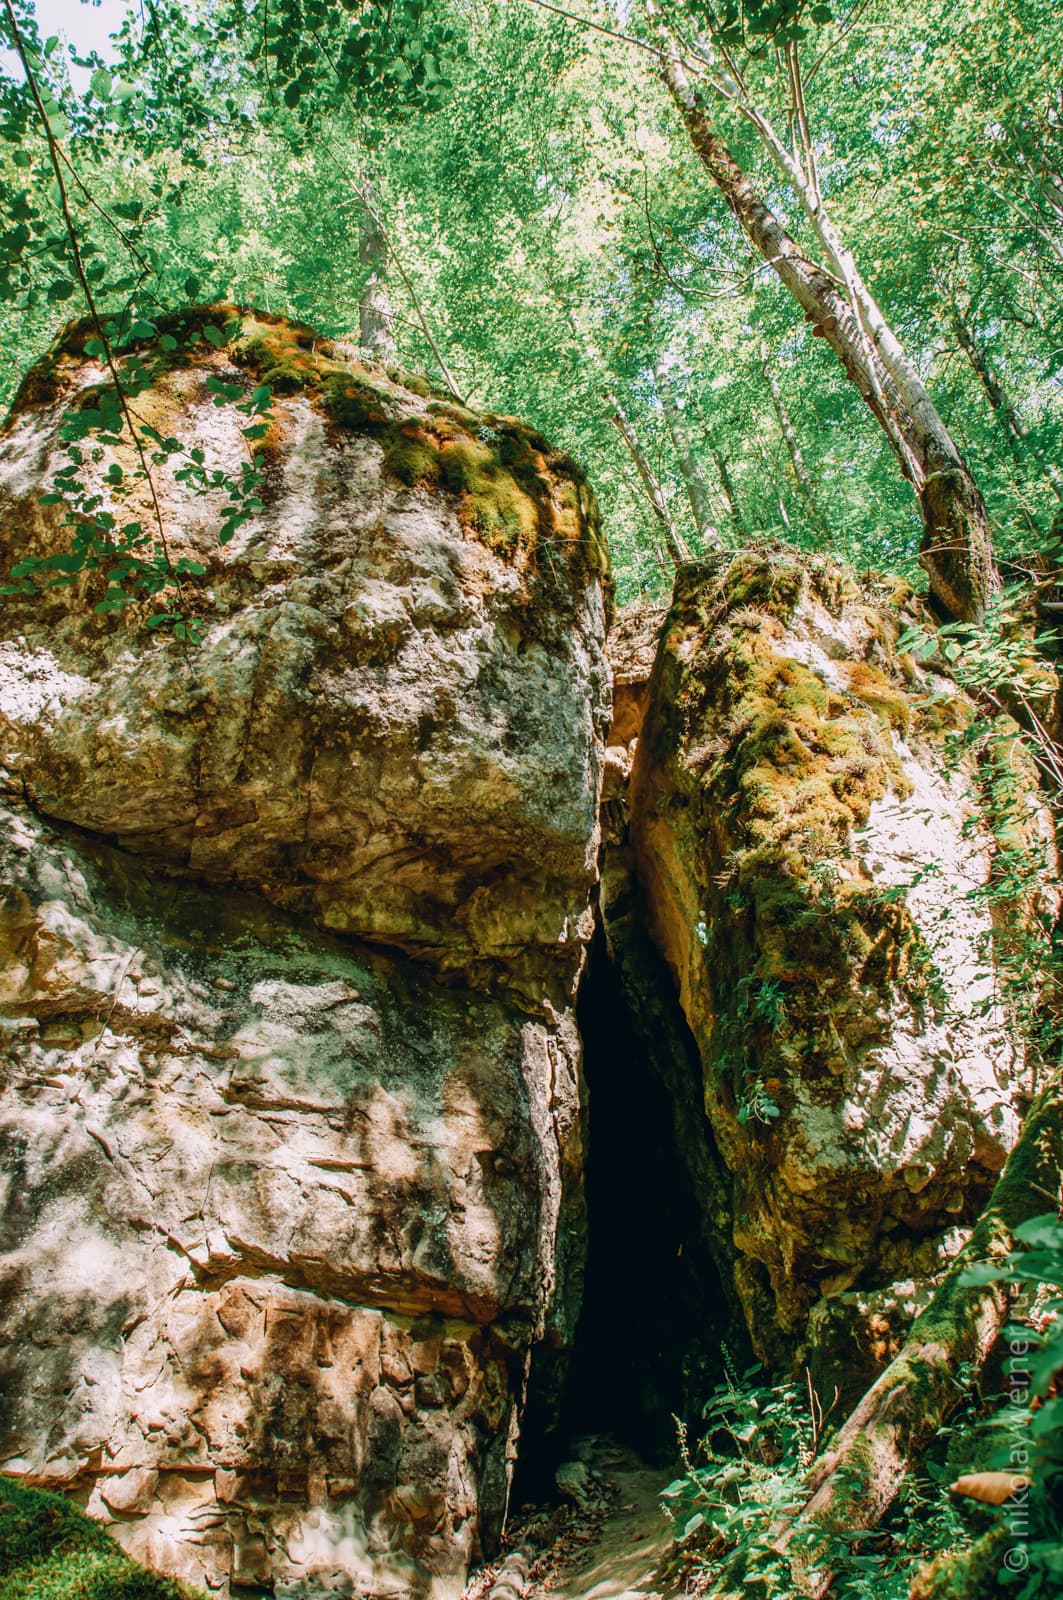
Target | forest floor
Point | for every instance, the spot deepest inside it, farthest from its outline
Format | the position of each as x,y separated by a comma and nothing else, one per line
606,1543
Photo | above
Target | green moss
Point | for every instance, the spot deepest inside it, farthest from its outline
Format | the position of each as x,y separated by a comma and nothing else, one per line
410,380
513,491
451,410
494,505
971,1574
776,584
777,771
807,767
49,1550
411,455
40,386
868,684
353,403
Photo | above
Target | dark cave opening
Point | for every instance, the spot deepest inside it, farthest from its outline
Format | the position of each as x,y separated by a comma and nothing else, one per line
647,1347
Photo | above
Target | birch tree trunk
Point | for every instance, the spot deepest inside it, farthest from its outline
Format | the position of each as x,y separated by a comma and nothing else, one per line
734,507
697,490
957,546
651,484
673,539
374,306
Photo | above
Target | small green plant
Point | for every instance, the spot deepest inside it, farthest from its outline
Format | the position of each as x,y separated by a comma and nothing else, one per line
1029,1421
137,561
756,1105
751,1471
750,1463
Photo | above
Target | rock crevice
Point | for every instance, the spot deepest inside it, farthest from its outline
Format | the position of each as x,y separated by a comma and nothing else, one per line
292,920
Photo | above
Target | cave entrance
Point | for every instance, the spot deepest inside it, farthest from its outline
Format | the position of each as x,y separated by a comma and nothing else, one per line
648,1342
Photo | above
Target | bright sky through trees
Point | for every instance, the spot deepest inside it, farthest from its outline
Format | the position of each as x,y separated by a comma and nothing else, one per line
86,26
530,213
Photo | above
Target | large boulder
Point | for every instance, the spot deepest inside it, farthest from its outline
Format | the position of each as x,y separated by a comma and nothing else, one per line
817,869
284,1213
392,722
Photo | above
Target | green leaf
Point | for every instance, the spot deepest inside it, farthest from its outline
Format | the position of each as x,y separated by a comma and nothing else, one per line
100,82
61,289
214,336
1045,1231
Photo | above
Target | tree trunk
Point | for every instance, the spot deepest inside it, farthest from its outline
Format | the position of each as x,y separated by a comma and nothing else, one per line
651,485
855,1482
957,546
734,508
771,476
805,487
374,307
655,494
998,400
697,489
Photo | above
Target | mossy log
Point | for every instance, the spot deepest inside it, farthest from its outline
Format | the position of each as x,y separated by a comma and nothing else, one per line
964,1574
856,1480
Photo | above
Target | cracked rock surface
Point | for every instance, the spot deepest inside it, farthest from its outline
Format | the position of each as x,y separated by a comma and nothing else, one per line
289,1079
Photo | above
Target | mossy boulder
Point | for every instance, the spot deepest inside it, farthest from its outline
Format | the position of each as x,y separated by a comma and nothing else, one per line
512,488
412,614
815,868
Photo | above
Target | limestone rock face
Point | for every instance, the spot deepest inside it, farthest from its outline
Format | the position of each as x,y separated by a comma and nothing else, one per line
393,721
283,1213
811,864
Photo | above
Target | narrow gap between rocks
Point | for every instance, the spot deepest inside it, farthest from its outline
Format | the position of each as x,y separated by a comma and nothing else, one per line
647,1344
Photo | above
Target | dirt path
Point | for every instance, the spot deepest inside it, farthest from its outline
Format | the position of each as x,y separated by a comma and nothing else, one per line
621,1561
604,1542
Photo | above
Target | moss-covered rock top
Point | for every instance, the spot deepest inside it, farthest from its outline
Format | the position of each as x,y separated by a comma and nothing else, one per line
513,489
49,1550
